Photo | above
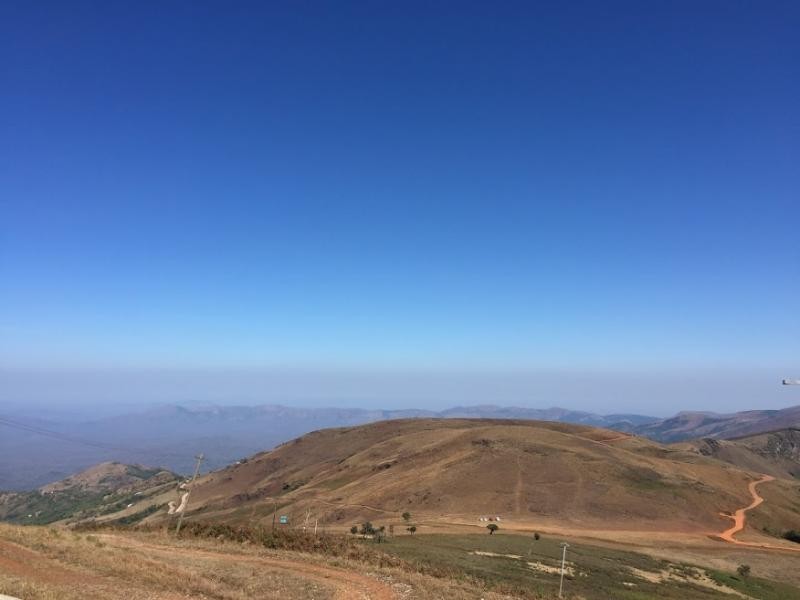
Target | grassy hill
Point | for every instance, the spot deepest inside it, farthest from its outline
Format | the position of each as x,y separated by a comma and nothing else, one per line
526,472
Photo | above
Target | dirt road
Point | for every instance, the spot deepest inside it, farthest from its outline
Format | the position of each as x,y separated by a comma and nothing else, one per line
739,517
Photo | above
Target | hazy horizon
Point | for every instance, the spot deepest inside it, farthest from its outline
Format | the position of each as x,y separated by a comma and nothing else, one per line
115,391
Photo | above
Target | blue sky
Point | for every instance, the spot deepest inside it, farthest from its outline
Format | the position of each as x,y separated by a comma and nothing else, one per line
441,188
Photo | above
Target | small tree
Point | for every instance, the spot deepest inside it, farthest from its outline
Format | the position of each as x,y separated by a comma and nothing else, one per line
492,527
354,529
406,517
367,529
743,570
380,534
411,529
536,536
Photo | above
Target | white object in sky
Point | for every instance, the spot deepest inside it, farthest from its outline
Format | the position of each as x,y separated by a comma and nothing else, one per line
791,382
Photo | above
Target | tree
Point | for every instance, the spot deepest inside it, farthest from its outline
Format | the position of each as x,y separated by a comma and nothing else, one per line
743,570
411,529
391,530
380,534
536,536
354,529
492,527
406,516
367,529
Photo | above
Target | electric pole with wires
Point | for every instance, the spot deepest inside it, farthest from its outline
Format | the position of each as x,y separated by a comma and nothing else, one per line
564,546
199,458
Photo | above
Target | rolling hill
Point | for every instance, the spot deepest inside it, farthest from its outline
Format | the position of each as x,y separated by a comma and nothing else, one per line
34,452
457,470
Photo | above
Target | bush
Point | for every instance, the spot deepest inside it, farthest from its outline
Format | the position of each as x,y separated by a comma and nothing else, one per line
492,527
792,535
536,536
743,570
290,539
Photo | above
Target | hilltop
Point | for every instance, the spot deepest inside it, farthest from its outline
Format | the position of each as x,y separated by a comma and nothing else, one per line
34,452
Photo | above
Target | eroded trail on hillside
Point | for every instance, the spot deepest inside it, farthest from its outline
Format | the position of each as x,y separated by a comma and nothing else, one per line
347,585
740,519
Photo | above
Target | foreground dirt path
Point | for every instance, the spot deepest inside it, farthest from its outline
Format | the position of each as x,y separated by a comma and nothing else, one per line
347,585
22,562
34,567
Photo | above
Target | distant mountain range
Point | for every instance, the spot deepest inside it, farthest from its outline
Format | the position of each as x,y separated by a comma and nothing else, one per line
34,452
691,425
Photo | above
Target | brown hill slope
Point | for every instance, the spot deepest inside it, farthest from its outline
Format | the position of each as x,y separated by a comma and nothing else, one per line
457,470
776,453
695,425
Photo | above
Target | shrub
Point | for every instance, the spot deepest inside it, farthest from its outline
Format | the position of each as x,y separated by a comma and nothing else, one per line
792,535
492,527
743,570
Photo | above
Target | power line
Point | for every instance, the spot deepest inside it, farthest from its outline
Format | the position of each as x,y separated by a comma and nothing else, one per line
199,458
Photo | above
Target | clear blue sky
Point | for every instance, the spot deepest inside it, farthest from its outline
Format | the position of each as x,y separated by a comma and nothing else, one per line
595,187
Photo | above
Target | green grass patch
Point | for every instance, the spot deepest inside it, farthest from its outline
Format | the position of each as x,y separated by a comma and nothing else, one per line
520,565
755,587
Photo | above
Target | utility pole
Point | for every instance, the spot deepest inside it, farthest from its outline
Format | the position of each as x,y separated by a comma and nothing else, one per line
199,458
564,546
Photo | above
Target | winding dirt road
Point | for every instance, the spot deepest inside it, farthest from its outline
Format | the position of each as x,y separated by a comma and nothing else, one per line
739,517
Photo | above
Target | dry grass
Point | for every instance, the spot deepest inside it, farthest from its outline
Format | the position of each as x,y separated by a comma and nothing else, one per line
65,565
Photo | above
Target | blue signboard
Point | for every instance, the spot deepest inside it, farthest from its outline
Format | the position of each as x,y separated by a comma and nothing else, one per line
284,519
